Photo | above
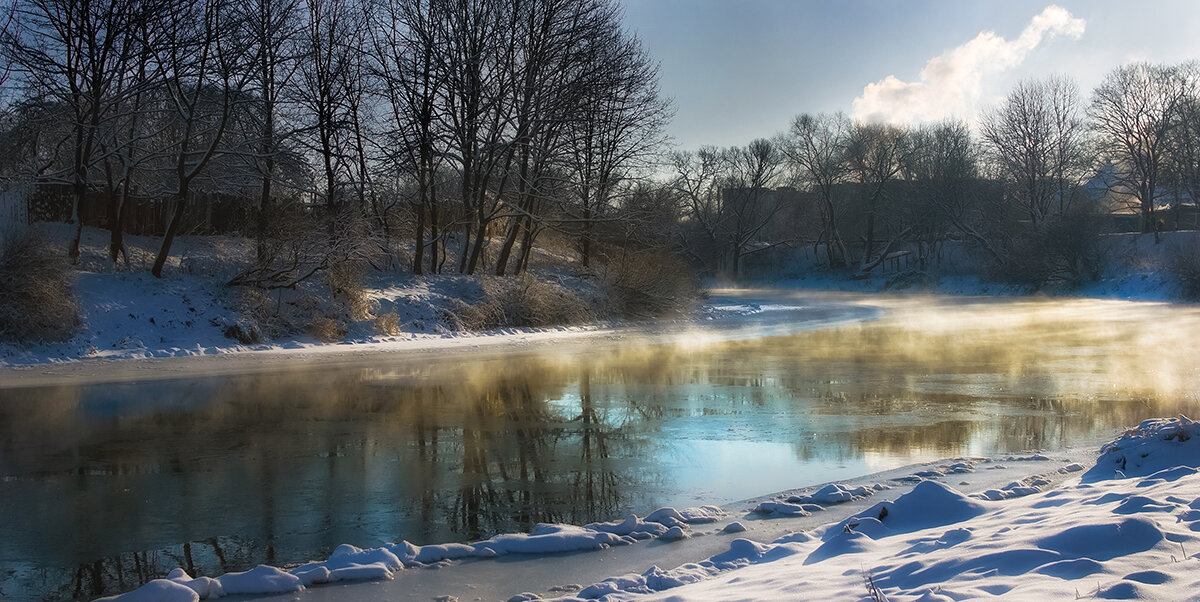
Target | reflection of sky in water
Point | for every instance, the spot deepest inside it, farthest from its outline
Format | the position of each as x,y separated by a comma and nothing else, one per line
722,471
279,467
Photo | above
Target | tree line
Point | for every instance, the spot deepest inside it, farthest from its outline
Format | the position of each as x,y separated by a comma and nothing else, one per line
1028,188
466,129
463,126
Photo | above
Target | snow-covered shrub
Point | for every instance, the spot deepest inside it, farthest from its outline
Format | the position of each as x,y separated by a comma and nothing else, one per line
327,330
244,330
388,324
257,309
37,298
648,284
522,301
345,278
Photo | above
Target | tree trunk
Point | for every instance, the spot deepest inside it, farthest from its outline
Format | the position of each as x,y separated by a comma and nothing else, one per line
116,217
585,250
466,249
509,240
169,237
526,249
480,239
77,218
262,223
434,232
419,242
114,226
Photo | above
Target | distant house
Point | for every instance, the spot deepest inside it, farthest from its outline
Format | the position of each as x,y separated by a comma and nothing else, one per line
1174,206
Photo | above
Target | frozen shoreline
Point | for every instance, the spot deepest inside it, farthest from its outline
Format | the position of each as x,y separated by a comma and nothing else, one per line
1123,528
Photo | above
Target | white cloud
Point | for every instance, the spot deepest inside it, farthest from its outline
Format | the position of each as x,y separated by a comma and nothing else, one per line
952,83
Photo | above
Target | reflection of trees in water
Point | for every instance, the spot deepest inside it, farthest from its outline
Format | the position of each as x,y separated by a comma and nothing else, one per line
126,571
297,463
524,463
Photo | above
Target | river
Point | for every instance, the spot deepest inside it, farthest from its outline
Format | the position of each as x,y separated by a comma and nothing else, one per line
110,480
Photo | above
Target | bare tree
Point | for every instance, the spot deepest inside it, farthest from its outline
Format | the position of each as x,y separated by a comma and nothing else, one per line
1038,140
479,48
8,27
815,145
1184,153
125,139
697,182
406,38
875,155
1134,110
749,200
272,33
76,52
620,121
200,72
943,171
328,61
550,76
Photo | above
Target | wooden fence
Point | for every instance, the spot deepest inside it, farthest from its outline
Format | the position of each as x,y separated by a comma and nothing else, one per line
205,213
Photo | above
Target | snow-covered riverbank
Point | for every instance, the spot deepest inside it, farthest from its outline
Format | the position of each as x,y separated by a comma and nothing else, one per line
124,313
728,315
130,315
1123,527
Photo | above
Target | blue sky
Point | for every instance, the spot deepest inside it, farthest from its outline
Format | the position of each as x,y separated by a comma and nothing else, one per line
738,70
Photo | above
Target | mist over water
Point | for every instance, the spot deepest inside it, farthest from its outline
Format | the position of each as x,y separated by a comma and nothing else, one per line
113,484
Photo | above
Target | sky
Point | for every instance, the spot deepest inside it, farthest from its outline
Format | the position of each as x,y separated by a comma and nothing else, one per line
740,70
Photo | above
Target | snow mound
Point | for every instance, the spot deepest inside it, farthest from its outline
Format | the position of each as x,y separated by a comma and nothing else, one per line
413,555
349,563
834,493
205,587
695,515
313,575
158,590
667,523
741,553
929,504
525,597
1027,486
1153,446
744,551
675,533
547,539
671,517
785,509
261,579
1105,541
632,526
843,542
794,537
734,527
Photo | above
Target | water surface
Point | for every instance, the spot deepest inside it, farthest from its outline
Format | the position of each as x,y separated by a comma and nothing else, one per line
107,485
